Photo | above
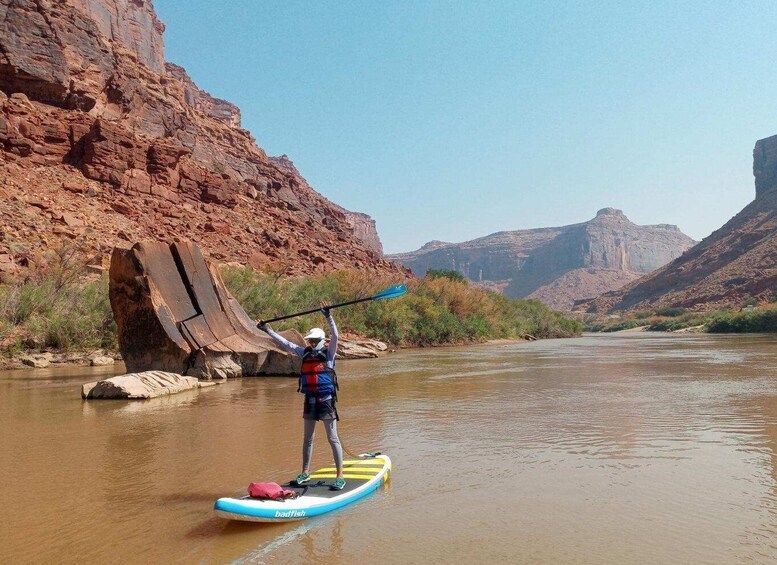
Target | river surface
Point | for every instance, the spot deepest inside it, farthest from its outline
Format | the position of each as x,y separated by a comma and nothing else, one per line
624,448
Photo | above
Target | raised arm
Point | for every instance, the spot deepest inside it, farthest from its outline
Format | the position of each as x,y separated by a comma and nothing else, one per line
332,351
282,341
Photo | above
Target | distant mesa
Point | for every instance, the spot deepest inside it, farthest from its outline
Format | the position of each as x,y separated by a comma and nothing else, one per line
611,212
434,244
559,265
735,264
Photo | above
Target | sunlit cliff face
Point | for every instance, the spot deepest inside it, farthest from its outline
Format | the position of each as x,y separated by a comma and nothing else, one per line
87,102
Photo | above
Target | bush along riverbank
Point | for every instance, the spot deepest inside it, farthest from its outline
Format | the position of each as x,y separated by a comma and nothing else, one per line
437,310
64,313
755,321
750,319
49,313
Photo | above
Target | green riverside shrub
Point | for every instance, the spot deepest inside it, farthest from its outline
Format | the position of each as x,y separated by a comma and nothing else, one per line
436,310
449,274
73,314
671,311
49,313
763,321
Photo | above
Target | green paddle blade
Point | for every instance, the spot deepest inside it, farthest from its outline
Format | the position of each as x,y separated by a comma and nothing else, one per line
391,292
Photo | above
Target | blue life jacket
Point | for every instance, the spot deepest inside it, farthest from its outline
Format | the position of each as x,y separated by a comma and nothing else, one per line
316,379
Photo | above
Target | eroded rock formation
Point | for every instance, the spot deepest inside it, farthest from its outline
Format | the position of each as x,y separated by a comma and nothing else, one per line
174,314
557,265
363,225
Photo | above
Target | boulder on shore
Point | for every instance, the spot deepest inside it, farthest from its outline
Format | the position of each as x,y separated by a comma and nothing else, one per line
37,361
359,349
148,384
101,360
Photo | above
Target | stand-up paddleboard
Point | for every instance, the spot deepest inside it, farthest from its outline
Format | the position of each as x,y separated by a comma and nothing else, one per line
362,476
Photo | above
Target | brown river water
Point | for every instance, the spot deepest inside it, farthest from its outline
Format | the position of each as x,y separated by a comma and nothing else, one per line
625,448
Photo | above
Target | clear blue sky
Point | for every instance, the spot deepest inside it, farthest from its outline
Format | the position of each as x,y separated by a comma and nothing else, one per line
451,120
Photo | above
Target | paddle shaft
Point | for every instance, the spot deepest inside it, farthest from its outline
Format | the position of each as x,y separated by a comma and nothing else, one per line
317,309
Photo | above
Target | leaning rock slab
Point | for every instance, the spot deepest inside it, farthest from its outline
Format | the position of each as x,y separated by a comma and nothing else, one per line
148,384
174,314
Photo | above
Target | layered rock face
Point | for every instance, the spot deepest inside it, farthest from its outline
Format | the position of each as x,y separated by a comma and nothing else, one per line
203,102
132,23
96,126
557,265
736,263
363,226
174,314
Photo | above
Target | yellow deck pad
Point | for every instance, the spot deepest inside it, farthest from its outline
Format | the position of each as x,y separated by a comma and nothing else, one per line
373,470
345,476
376,462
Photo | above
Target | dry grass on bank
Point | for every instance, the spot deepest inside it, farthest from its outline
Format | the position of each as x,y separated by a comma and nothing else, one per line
56,307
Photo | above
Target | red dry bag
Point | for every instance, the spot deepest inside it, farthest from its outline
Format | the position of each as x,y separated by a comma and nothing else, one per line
272,491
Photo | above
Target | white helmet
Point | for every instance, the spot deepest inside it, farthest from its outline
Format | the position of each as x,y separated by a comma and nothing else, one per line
315,333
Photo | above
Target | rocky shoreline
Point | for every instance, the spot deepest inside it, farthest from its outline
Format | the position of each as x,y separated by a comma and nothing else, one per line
352,347
53,359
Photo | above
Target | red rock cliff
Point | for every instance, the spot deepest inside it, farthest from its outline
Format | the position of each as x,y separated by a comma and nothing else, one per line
131,23
363,225
104,143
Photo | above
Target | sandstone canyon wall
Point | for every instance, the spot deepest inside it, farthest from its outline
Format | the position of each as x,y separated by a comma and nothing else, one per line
103,143
557,265
736,263
363,225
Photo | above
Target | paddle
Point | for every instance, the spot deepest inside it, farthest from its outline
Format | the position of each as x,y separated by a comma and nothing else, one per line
391,292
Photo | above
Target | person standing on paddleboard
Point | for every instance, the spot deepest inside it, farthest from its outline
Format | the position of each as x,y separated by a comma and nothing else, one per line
318,382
